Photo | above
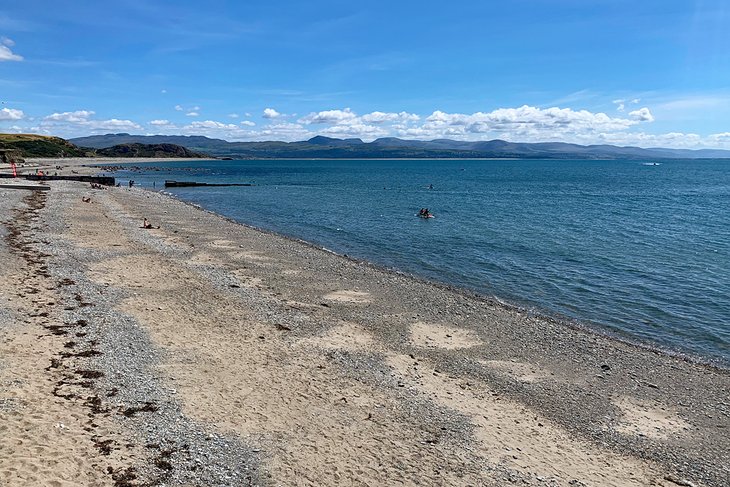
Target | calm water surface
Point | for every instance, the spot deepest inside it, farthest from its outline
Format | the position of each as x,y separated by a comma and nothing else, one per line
641,250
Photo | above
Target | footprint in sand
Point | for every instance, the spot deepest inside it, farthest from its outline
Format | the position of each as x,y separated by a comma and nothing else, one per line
431,335
639,418
345,296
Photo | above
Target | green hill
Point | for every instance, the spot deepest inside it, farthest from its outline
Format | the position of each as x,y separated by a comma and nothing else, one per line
31,145
148,150
23,146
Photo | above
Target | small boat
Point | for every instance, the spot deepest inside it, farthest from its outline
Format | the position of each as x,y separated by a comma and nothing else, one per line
424,213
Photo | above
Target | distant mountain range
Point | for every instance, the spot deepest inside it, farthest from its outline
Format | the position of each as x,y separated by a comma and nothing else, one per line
391,147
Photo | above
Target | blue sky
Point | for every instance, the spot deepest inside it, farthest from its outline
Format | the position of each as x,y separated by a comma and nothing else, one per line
647,73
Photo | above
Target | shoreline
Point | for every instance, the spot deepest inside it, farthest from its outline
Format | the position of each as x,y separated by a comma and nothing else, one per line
599,329
604,331
276,362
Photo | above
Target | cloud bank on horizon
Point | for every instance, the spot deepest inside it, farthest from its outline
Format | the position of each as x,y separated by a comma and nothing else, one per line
528,71
522,124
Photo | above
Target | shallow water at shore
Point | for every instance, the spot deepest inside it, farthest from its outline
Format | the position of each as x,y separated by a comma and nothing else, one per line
641,250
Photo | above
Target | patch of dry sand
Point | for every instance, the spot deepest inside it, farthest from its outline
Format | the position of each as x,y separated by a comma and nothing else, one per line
46,439
652,420
347,336
348,296
316,426
523,372
518,437
433,335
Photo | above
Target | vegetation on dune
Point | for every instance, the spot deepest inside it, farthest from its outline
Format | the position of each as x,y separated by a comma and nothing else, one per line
24,146
30,145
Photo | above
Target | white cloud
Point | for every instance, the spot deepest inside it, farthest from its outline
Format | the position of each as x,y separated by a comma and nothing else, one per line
283,131
6,54
519,124
11,114
214,128
73,117
179,108
211,124
163,91
196,108
112,124
358,130
720,140
329,117
271,113
526,122
621,103
247,114
233,115
642,115
192,114
71,122
381,117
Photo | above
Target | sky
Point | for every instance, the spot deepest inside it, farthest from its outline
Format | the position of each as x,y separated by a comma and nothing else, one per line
649,73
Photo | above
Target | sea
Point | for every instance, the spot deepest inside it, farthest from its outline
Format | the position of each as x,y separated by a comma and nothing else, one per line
637,249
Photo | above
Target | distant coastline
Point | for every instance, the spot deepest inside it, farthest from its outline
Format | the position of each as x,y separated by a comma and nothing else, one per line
127,146
320,147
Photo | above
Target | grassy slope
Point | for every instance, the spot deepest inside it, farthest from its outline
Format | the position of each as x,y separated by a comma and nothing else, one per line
31,145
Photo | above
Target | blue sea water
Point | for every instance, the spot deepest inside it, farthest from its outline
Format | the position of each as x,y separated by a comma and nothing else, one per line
640,250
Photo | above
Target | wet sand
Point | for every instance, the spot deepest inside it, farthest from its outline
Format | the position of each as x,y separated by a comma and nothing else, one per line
210,353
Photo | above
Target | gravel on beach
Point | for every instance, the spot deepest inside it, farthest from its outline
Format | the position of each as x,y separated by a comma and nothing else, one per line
205,352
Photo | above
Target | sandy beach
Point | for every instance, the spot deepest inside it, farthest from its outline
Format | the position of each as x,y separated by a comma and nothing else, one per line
204,352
